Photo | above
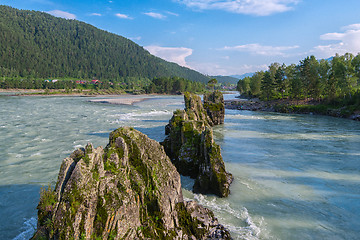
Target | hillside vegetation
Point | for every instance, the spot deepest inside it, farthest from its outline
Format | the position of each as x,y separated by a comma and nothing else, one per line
37,45
328,84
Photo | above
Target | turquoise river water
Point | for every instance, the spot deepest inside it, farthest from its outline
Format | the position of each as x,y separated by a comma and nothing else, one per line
295,176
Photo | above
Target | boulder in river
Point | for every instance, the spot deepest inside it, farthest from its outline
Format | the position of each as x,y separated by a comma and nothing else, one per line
191,147
129,190
215,107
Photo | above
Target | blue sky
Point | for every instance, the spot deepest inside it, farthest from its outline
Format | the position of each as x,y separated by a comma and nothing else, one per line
221,37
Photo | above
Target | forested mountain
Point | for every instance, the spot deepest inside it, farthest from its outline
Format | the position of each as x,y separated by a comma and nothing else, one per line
226,79
37,45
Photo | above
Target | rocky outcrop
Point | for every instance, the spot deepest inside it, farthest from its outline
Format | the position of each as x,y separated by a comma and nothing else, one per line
129,190
215,107
192,149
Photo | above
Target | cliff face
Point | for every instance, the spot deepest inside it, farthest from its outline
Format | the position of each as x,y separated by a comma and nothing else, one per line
129,190
215,107
191,147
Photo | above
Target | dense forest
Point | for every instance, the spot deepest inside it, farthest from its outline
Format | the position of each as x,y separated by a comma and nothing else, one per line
35,45
174,85
332,80
226,80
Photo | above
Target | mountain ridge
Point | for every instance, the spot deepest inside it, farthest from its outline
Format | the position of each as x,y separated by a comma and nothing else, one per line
37,44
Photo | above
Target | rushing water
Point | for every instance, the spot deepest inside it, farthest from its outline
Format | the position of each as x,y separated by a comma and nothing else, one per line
295,176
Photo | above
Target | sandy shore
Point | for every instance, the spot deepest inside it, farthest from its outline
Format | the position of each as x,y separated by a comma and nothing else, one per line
121,101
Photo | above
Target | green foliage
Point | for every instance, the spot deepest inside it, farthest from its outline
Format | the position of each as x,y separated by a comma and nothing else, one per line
173,85
95,173
36,45
335,80
48,199
214,107
212,83
189,225
100,218
86,159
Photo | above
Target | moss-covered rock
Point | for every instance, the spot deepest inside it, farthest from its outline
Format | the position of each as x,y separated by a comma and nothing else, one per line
129,190
215,107
191,147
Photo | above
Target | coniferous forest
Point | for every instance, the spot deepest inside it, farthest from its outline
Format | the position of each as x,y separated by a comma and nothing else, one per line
335,80
35,45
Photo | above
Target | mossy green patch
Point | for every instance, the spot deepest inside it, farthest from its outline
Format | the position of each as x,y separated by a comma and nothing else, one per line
111,167
189,225
86,159
95,173
214,107
100,218
46,205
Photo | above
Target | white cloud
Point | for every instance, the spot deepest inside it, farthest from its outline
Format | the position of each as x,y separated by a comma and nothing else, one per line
347,41
155,15
251,7
62,14
355,26
258,49
214,69
123,16
96,14
171,54
172,13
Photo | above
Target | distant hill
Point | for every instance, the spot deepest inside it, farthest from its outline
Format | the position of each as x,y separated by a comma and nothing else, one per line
36,44
243,75
225,79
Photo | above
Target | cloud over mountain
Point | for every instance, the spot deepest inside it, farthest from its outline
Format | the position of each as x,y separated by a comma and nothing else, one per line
171,54
62,14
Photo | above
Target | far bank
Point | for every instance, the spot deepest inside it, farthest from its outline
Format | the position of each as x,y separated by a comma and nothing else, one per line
308,106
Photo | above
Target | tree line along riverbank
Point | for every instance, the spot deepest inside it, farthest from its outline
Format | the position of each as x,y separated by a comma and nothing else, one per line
327,86
161,85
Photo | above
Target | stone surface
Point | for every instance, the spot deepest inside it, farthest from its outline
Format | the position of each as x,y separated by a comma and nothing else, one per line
215,107
191,147
129,190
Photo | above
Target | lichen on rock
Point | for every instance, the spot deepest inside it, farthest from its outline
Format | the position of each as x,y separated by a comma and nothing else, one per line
129,190
215,107
191,147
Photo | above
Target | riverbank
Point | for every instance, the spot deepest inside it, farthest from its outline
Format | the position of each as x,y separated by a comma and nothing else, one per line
294,106
65,92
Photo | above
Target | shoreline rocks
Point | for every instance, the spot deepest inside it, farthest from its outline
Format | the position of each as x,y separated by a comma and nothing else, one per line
129,190
191,147
296,107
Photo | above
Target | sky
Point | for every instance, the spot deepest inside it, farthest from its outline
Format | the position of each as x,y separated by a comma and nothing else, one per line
221,37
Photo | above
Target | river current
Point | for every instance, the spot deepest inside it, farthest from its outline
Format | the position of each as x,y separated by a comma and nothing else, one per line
295,176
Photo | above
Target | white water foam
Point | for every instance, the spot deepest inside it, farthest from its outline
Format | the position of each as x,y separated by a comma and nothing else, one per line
28,229
137,116
249,232
36,154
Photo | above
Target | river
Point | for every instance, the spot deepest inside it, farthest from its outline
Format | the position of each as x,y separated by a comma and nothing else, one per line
295,176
